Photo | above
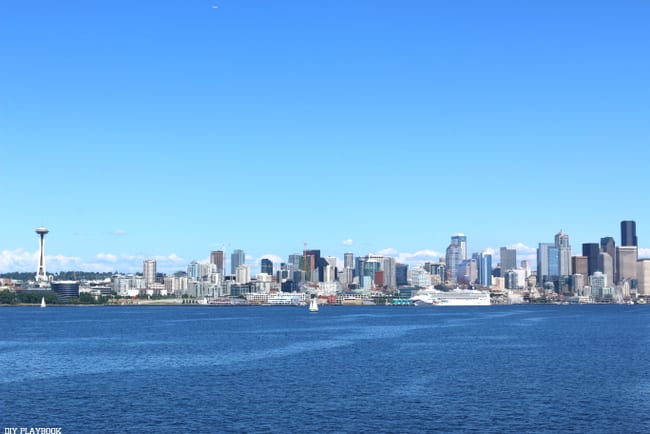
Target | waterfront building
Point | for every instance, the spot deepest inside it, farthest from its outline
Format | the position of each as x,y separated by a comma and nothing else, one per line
628,233
149,271
66,289
515,279
626,261
591,251
266,266
419,277
578,284
507,259
598,283
237,258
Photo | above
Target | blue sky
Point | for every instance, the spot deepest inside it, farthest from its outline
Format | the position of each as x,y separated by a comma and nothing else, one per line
171,128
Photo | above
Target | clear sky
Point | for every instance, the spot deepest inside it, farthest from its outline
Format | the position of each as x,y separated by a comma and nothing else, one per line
170,128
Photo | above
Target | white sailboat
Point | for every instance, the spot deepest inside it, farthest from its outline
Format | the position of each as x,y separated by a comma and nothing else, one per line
313,305
43,302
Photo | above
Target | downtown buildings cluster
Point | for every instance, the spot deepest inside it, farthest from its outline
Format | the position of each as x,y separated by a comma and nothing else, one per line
604,272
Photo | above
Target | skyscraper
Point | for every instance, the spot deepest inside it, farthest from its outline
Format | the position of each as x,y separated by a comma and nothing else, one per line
628,233
591,251
461,241
580,265
149,271
237,258
543,263
216,258
626,261
348,260
266,266
564,253
508,259
607,245
452,261
485,268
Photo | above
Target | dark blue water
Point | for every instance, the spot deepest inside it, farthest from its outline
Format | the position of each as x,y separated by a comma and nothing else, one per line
345,369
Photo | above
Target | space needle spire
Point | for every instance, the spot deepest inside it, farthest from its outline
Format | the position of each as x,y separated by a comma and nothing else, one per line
41,276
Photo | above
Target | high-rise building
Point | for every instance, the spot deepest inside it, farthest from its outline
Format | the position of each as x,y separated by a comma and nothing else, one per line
606,265
266,266
149,271
216,258
401,274
643,269
243,274
626,261
508,259
452,260
294,262
591,251
367,266
608,246
237,258
580,265
564,254
628,233
348,260
312,265
545,261
194,270
461,241
485,268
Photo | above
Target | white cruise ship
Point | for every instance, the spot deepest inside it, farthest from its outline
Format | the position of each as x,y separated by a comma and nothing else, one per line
456,297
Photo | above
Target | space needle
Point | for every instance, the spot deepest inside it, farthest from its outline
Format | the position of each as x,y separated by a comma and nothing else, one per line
41,276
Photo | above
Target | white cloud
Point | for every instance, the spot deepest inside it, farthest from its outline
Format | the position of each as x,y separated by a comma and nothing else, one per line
106,257
18,260
387,252
347,242
414,258
119,232
644,253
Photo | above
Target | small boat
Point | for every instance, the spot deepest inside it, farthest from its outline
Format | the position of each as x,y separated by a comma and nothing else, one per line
313,305
43,302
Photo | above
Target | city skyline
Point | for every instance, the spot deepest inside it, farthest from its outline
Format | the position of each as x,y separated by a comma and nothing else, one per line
168,130
239,256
